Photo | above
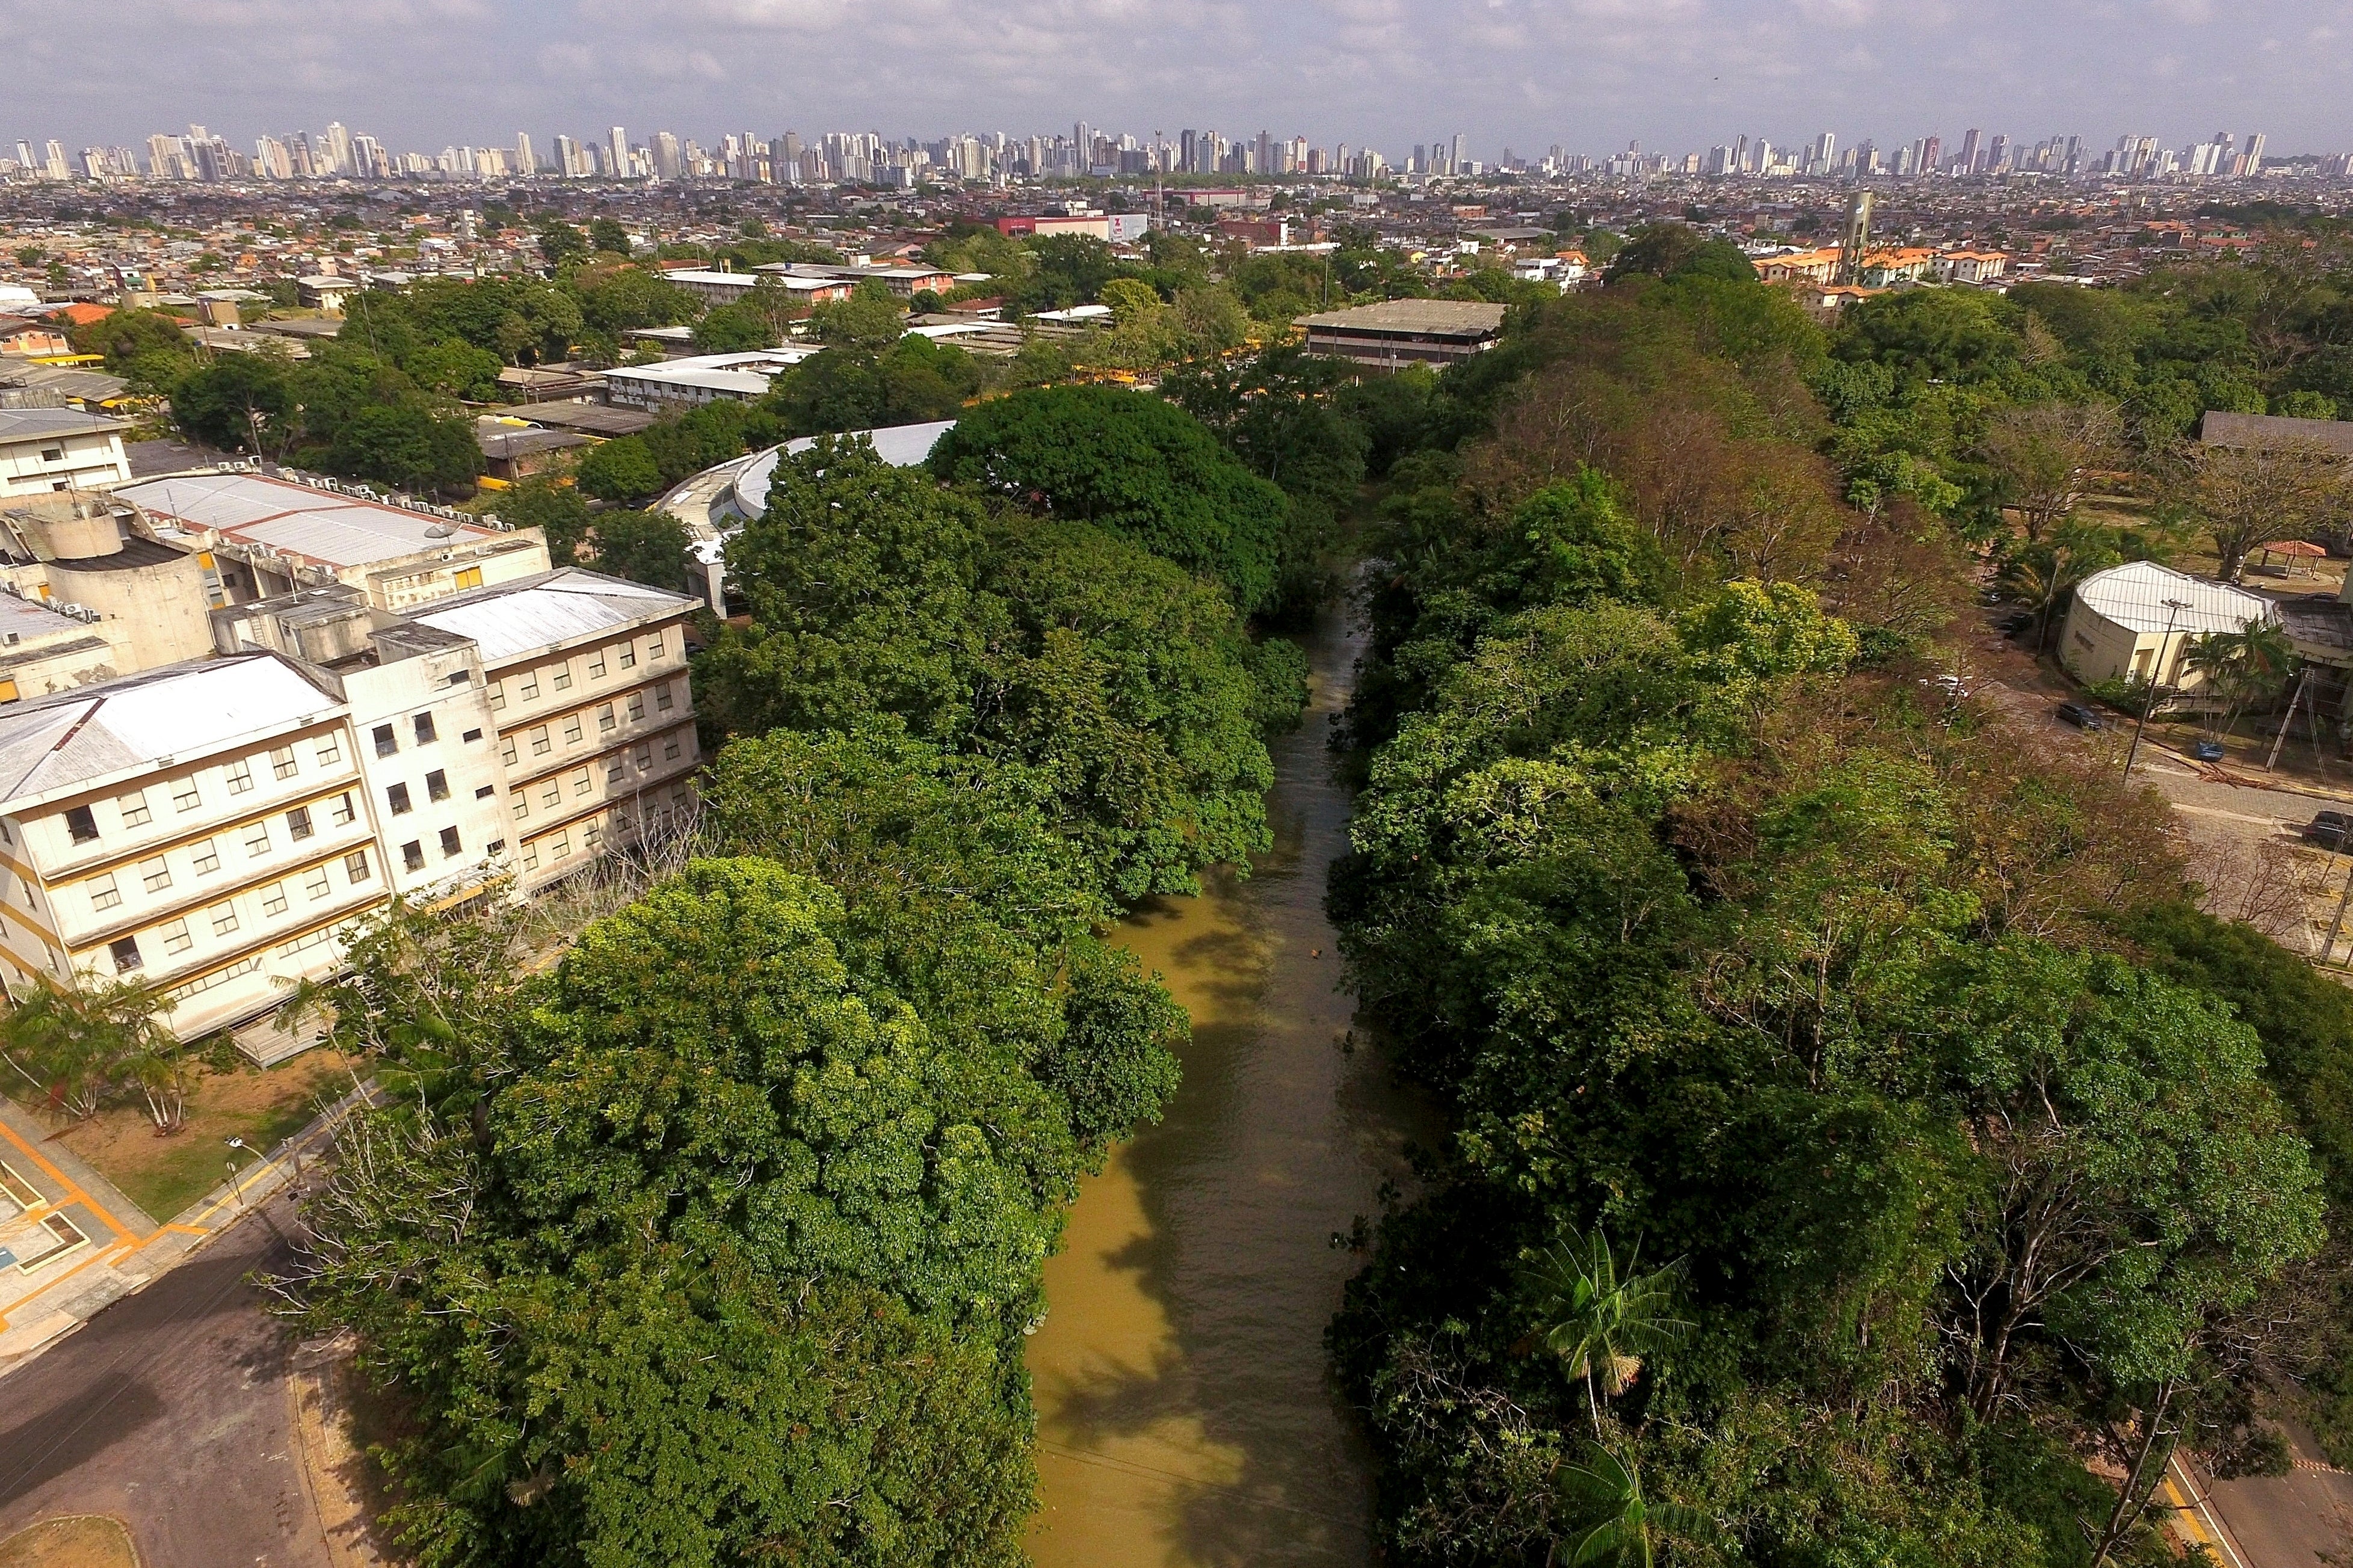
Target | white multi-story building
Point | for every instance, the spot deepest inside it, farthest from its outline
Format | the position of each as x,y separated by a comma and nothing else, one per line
213,827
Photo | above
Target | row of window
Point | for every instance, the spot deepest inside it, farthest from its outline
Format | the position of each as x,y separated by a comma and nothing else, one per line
624,656
136,810
541,738
204,855
581,782
557,847
177,936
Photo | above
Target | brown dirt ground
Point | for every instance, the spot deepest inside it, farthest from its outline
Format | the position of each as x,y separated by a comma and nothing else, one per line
165,1176
82,1541
338,1418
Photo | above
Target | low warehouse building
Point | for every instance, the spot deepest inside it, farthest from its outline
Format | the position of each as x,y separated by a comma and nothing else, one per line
2132,622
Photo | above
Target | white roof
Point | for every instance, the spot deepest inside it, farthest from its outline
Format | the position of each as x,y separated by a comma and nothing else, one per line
546,610
745,373
900,445
323,526
1075,314
60,745
44,424
21,618
2135,596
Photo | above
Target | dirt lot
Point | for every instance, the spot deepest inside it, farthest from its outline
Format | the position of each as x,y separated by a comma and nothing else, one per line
165,1176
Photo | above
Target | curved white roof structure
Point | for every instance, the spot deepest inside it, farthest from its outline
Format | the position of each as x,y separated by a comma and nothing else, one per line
2135,596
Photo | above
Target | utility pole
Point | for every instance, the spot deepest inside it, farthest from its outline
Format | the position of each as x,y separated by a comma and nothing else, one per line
2173,608
2303,679
2337,926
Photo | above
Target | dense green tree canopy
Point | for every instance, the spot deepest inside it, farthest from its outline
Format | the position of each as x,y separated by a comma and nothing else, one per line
1131,463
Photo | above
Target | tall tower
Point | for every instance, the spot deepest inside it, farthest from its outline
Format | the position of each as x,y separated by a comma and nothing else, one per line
1856,237
524,163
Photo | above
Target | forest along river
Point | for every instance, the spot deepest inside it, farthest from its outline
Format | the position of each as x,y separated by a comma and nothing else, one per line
1184,1415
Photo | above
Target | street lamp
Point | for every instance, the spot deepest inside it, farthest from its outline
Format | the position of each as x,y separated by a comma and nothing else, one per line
233,1185
2173,608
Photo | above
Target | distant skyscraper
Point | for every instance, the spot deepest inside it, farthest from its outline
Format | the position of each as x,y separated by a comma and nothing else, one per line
1969,163
617,153
524,163
53,161
339,150
1457,155
666,159
2256,154
1931,151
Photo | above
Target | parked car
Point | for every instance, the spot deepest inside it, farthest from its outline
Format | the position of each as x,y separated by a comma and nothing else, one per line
2083,715
2329,829
2208,750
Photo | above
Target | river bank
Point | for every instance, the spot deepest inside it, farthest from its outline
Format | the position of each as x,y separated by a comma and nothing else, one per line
1186,1415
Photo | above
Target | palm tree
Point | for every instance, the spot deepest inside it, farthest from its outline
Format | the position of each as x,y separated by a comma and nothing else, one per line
1601,1316
1614,1523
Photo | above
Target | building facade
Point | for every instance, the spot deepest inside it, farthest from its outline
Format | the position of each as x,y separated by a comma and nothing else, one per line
212,828
47,449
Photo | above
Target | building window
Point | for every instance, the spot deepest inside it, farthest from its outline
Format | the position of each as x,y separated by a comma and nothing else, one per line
522,807
281,762
387,741
467,577
176,938
241,776
507,750
572,731
206,856
646,758
330,751
256,840
125,952
654,647
498,690
596,665
550,794
314,882
669,749
273,900
426,734
637,706
614,767
539,743
530,857
102,892
472,736
224,918
355,867
605,720
297,822
663,698
629,655
449,842
486,792
563,676
436,786
412,855
495,847
460,677
342,813
560,847
155,874
185,796
397,797
581,782
134,807
529,688
81,823
593,838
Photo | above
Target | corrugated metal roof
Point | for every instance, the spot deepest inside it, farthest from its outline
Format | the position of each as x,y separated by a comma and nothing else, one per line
26,618
32,424
318,525
2135,596
558,606
62,743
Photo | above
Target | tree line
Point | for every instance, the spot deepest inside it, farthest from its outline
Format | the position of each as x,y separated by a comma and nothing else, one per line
1855,1127
714,1239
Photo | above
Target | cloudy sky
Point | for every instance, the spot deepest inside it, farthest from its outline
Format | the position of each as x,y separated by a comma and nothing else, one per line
1587,74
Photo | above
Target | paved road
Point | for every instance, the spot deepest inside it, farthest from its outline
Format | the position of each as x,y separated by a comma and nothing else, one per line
171,1411
2302,1520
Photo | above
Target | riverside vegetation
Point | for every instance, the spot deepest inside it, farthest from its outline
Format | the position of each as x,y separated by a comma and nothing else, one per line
1854,1125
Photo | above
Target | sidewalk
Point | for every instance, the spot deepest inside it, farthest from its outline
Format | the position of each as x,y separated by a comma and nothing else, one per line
71,1245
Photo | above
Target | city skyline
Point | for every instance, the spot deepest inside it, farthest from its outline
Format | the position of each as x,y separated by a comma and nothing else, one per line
1589,75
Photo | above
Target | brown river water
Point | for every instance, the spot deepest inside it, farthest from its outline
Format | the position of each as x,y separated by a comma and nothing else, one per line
1185,1418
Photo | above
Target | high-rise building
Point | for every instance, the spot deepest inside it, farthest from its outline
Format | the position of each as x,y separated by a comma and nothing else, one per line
617,153
369,160
1931,151
2254,156
1998,154
270,159
667,164
339,150
1969,158
525,163
1457,154
53,161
